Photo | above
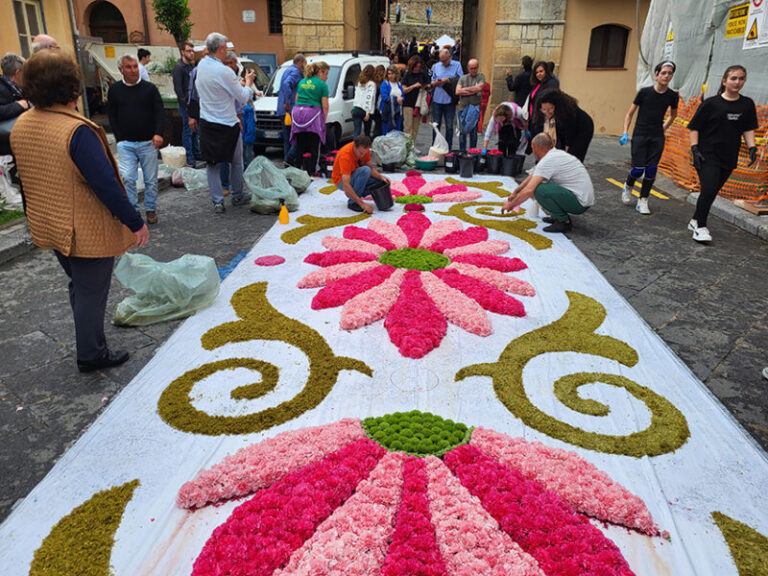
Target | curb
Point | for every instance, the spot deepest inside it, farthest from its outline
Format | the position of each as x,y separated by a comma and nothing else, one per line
728,211
15,241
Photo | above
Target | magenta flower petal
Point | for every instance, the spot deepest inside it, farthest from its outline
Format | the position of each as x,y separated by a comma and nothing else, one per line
368,307
414,548
459,309
443,189
464,196
368,235
487,247
438,230
342,290
325,276
390,231
271,260
495,278
471,235
577,482
414,323
413,183
339,257
414,224
333,243
561,541
259,465
261,534
398,189
489,297
500,263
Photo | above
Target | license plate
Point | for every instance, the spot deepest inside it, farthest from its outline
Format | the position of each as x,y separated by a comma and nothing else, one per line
275,134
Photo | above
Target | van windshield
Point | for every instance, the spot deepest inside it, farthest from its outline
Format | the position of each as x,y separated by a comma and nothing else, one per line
333,81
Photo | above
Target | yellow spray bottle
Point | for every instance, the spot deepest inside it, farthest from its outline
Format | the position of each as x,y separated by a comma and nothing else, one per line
283,216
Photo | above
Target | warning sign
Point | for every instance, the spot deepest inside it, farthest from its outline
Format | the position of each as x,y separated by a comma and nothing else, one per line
669,45
752,35
756,30
737,21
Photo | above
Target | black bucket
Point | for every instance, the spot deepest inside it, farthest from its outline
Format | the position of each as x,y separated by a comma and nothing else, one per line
508,166
327,165
482,163
493,163
466,166
390,167
382,195
451,163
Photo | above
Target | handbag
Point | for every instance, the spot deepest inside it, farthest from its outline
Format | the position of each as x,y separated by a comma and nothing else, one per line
5,134
421,103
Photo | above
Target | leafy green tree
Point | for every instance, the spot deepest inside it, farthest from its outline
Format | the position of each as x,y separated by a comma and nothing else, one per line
173,17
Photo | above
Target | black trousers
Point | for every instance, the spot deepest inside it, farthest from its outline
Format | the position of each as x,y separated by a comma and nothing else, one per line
89,281
712,177
307,143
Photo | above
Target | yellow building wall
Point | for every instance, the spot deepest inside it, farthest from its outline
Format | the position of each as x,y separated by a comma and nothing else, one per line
604,94
56,21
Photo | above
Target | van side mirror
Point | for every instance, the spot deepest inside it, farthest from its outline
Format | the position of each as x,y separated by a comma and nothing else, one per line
350,93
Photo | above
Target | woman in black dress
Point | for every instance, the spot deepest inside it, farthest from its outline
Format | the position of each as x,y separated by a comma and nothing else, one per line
558,114
716,131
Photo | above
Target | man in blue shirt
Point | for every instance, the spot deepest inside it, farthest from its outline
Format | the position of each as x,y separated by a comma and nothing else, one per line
445,72
220,139
286,97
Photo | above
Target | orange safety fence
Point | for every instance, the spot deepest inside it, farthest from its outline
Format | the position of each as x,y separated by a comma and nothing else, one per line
746,183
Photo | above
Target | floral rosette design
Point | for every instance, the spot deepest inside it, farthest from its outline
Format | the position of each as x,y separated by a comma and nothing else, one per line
414,189
418,276
411,494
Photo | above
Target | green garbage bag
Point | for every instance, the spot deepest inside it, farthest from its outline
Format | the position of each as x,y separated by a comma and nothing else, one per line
164,290
299,179
268,185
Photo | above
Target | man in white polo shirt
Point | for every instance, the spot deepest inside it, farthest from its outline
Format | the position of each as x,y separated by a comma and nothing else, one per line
559,182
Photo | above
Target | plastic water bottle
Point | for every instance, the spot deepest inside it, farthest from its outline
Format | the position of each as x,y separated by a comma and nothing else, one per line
283,216
534,211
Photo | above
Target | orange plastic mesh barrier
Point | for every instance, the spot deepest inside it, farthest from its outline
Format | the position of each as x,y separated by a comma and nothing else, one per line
746,183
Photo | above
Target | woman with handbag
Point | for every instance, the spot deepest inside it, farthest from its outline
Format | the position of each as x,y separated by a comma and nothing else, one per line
392,101
415,99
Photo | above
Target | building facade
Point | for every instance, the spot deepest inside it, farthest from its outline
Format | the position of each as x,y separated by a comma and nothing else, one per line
25,19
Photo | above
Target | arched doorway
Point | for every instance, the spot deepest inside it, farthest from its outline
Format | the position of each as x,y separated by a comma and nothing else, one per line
106,21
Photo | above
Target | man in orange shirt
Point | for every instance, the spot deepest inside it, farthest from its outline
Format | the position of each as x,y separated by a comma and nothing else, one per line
354,173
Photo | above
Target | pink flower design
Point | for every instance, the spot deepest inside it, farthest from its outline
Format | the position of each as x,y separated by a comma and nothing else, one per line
417,275
272,260
329,501
439,190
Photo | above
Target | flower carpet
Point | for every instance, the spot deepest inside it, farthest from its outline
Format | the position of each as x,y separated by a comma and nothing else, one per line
437,389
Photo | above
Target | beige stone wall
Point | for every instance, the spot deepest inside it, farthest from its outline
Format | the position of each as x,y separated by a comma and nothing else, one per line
447,12
311,25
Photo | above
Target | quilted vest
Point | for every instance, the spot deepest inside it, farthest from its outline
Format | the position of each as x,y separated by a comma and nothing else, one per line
63,212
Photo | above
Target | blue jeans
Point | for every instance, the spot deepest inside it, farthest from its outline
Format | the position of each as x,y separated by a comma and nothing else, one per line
130,155
447,112
361,181
359,122
224,175
472,139
289,152
213,172
188,139
248,154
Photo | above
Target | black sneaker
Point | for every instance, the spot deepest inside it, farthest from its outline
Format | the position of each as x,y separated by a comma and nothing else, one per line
108,360
558,226
548,219
241,200
354,207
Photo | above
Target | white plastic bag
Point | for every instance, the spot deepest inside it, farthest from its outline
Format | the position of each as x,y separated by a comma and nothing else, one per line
440,142
8,192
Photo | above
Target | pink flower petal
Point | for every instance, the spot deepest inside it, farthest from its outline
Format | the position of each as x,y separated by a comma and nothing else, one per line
488,247
333,243
467,535
498,279
391,232
338,257
272,260
561,541
414,548
489,297
342,290
577,482
471,235
437,231
457,196
398,189
413,183
325,276
500,263
456,307
414,323
365,523
368,307
261,535
367,235
430,187
259,465
414,224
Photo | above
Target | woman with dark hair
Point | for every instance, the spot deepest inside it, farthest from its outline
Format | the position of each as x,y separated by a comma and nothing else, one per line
415,80
379,75
364,104
541,80
571,129
76,202
392,101
309,113
648,136
716,131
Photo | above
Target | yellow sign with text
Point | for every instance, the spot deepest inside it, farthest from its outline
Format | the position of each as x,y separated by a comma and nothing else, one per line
737,21
109,51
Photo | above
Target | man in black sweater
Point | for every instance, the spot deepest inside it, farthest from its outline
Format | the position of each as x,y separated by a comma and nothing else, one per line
521,84
136,117
181,74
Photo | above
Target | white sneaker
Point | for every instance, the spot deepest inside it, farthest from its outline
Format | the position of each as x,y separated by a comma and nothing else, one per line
626,195
642,206
702,235
765,372
692,225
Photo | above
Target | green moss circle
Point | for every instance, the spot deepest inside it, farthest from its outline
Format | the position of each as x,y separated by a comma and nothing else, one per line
413,199
414,259
417,433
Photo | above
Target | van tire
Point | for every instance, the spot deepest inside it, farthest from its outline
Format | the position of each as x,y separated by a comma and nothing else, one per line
333,137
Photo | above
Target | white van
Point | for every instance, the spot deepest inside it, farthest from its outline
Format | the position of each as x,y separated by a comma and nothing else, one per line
342,78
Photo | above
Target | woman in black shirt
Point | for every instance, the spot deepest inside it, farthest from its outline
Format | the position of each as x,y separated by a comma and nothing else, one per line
648,136
716,131
571,128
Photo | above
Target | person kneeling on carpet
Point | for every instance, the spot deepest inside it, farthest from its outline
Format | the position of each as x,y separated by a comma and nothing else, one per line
354,173
559,182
